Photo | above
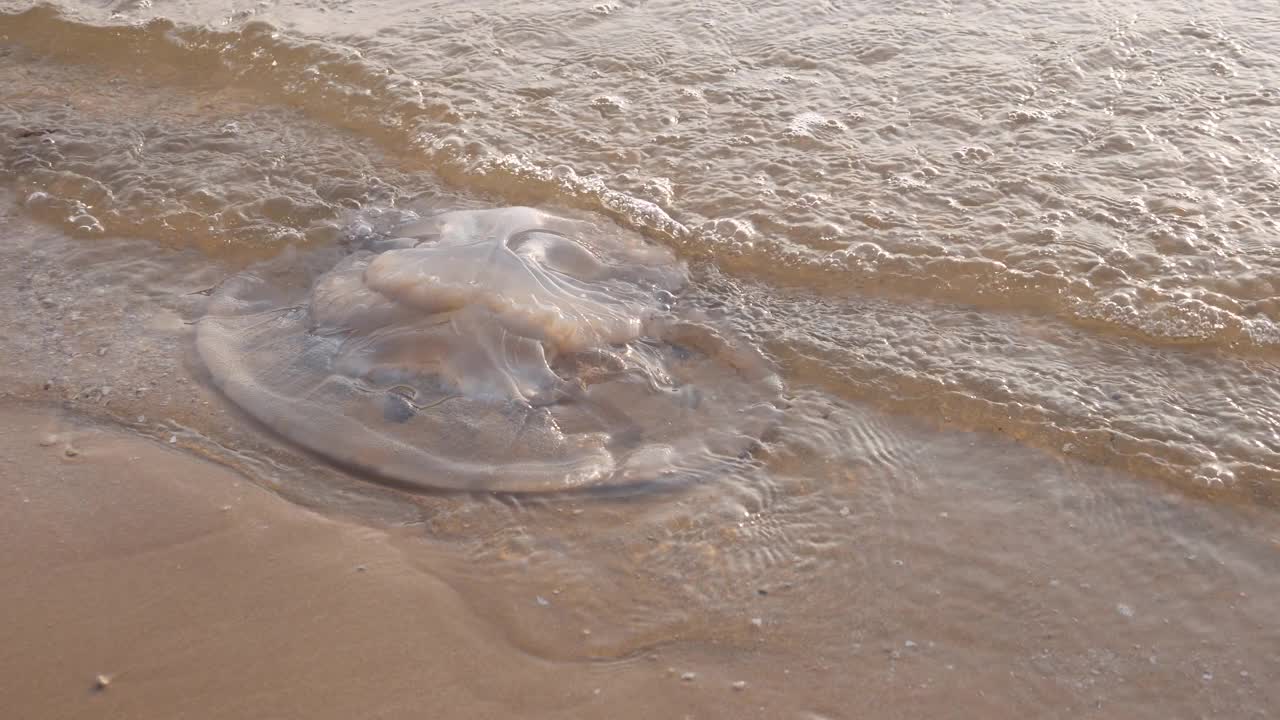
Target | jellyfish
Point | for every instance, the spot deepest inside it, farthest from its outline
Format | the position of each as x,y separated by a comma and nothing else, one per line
503,350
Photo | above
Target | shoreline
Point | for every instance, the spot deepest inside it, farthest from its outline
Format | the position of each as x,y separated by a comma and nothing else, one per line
907,569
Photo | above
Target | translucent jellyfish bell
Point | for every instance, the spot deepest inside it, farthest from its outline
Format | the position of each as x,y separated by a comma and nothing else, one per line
503,350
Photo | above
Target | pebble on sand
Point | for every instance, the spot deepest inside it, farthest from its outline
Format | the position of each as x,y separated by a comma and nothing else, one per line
101,682
739,685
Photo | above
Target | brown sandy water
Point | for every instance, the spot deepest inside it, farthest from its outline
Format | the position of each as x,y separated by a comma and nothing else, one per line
1015,267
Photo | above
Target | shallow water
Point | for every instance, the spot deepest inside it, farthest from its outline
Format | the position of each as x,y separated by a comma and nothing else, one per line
1013,264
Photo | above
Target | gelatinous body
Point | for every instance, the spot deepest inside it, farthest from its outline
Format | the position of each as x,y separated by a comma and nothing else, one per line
505,350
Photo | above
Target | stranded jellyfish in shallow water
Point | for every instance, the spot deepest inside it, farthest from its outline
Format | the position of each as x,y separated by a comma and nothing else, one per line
505,350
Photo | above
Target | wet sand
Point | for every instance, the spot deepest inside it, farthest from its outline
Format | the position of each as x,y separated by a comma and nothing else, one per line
144,582
197,594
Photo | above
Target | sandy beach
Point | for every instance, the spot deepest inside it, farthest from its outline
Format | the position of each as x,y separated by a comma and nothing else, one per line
871,361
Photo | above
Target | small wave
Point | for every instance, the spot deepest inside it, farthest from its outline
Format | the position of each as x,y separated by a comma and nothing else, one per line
1202,421
263,66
